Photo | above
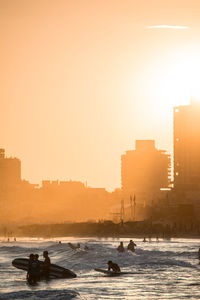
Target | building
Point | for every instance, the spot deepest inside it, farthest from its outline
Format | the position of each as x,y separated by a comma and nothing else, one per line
145,170
187,146
10,172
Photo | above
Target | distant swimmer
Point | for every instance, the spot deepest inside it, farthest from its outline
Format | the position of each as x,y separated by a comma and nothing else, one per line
120,248
59,242
15,239
86,247
131,246
144,240
46,265
78,246
112,266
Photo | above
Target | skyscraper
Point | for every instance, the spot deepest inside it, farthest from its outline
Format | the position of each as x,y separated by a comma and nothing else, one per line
187,146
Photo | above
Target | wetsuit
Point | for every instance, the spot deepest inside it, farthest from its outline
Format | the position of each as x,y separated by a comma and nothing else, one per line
120,248
46,267
33,271
131,246
114,267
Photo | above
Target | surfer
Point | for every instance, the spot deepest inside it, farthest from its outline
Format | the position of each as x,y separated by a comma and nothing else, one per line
46,265
36,258
33,269
113,266
86,247
120,248
131,246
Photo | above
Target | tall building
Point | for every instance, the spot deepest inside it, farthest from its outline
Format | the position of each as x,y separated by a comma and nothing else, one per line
187,146
145,169
10,171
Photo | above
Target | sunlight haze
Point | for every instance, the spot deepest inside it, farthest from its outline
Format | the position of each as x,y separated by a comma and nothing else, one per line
82,80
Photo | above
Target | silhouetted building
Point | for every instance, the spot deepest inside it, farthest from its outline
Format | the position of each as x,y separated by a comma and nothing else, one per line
187,146
145,171
10,171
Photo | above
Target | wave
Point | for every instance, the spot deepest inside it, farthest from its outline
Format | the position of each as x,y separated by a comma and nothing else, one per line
44,294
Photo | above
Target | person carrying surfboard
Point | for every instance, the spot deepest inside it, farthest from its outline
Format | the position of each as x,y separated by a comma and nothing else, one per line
113,266
46,265
33,269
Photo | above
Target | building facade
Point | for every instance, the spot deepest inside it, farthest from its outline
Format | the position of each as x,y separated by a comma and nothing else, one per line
145,170
10,171
187,146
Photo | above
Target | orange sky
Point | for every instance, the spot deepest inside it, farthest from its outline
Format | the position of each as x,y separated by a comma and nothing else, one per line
81,80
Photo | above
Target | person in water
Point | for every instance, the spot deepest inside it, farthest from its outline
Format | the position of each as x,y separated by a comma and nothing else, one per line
112,266
144,240
36,258
86,247
33,269
131,246
46,265
120,248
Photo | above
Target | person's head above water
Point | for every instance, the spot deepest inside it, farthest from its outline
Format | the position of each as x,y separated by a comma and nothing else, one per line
109,262
31,256
121,243
36,256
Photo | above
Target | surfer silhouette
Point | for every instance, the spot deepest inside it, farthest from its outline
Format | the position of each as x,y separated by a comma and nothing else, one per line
120,248
33,269
131,246
46,265
113,266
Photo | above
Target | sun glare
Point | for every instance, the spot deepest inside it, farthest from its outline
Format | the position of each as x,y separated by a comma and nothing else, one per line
179,81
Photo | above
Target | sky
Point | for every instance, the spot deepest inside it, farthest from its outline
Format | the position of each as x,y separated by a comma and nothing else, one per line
81,80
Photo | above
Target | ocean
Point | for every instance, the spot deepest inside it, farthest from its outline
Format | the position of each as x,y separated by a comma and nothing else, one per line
164,269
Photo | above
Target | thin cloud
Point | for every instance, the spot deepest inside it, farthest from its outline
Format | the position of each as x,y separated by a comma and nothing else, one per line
167,27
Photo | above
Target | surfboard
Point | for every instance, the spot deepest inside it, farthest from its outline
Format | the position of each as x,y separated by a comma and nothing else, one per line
112,273
54,272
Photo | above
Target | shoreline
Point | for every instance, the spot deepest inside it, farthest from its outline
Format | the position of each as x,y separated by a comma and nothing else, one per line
131,236
106,229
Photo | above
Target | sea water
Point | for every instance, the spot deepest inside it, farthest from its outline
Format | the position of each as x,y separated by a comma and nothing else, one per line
162,269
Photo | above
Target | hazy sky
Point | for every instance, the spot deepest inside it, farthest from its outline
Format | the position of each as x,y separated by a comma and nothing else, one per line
81,80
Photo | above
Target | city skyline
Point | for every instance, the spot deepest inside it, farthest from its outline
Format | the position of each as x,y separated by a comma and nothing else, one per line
172,176
81,81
